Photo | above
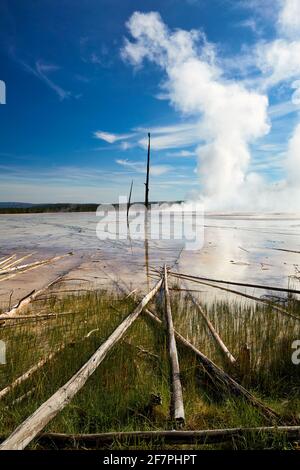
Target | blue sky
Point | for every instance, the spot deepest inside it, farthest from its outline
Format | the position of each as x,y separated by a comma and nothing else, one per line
77,112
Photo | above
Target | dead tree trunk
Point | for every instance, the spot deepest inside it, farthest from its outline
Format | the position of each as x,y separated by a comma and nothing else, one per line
147,177
129,202
177,408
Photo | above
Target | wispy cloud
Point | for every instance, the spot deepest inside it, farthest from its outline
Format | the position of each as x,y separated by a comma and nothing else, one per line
250,23
140,167
282,109
181,154
41,71
162,137
111,138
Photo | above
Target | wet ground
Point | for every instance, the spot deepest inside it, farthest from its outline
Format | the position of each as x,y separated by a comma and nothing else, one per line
252,248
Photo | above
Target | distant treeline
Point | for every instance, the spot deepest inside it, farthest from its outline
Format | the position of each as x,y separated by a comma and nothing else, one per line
40,208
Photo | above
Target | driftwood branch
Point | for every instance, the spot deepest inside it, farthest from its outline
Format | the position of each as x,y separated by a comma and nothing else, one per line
177,407
29,429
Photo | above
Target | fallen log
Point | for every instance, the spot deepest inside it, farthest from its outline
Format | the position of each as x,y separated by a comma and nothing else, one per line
5,391
41,316
221,376
214,333
177,407
6,260
25,301
206,436
248,296
29,429
31,265
242,284
19,260
20,399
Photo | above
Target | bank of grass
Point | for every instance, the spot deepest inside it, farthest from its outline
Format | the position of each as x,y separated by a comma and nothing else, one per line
115,396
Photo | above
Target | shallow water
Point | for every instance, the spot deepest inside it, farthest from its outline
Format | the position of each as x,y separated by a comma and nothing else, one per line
238,247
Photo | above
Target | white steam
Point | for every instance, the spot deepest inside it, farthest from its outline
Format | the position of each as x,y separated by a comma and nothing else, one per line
279,61
230,115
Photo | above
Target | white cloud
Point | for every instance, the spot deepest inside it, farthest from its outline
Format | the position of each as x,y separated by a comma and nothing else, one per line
289,18
230,116
162,137
282,109
172,137
293,158
41,70
279,60
140,167
111,138
182,154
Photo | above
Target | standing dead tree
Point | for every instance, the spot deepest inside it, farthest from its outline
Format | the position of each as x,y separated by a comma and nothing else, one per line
147,176
129,201
177,408
30,428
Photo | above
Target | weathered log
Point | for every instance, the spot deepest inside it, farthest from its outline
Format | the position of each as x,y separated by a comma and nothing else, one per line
6,260
248,296
25,301
216,336
221,376
177,407
17,261
31,265
242,284
20,399
30,318
28,430
5,391
206,436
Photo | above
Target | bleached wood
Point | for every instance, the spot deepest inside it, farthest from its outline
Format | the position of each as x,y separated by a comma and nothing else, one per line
211,327
17,261
30,265
242,294
6,260
25,301
177,408
221,376
29,429
5,391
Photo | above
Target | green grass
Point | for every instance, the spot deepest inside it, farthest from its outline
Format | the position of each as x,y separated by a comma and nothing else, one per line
114,397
